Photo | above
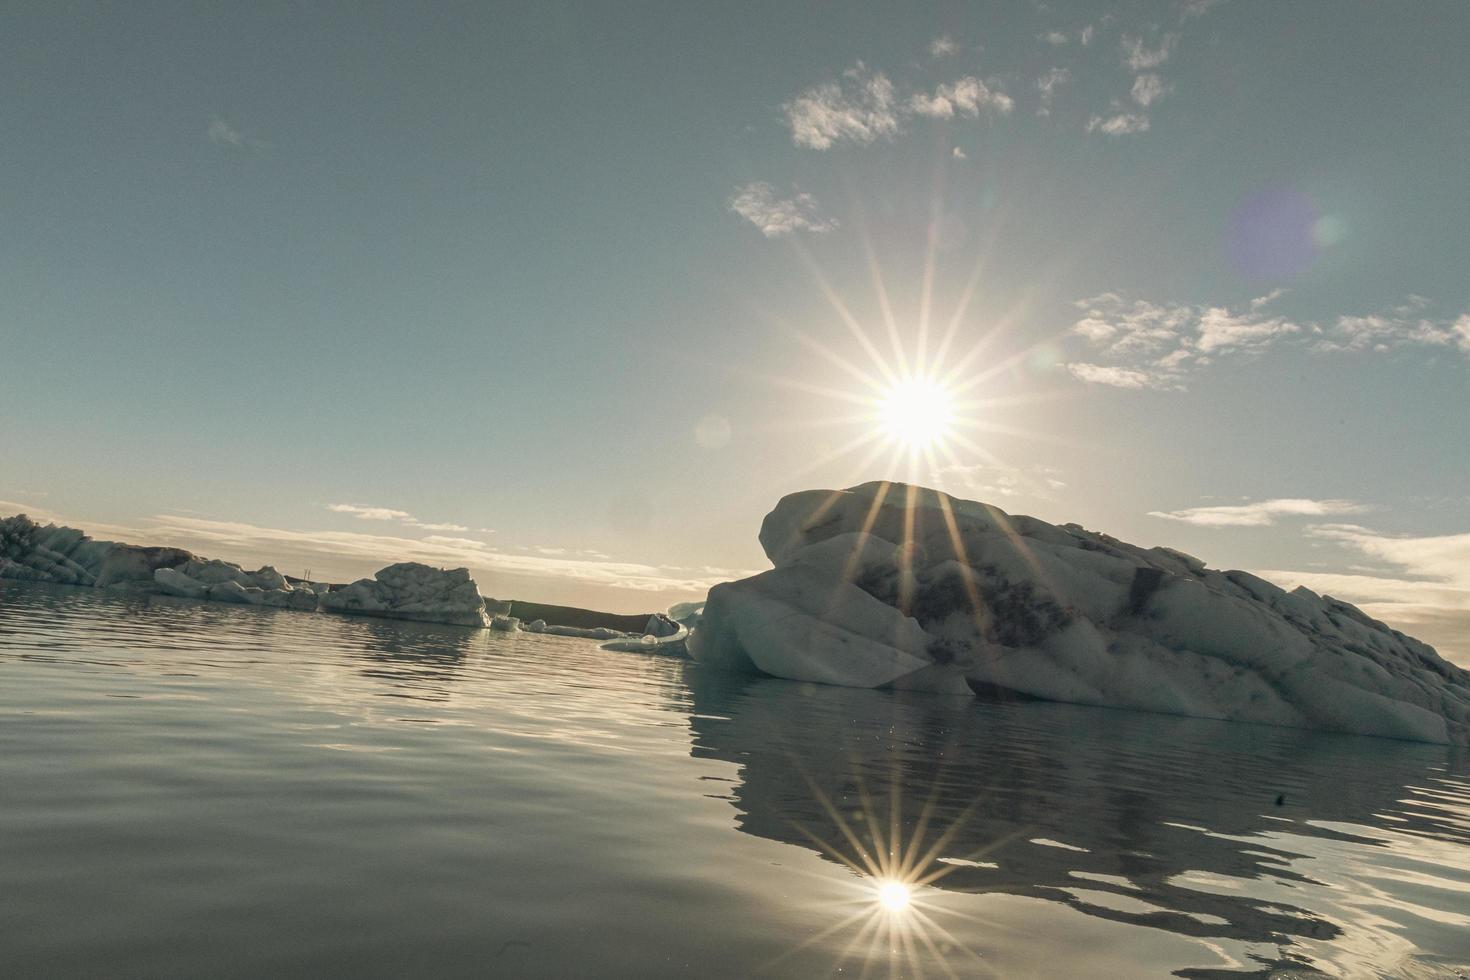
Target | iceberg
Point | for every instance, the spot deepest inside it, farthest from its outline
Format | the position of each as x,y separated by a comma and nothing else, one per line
896,586
410,590
66,556
224,581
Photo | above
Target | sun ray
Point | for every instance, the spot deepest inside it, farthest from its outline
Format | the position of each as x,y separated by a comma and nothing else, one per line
931,260
843,313
837,359
885,307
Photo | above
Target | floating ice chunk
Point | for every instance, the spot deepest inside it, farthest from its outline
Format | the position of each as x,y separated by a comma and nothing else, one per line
409,590
587,633
671,645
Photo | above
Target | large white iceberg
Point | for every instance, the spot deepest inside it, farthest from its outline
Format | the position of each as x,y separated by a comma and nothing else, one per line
886,585
410,590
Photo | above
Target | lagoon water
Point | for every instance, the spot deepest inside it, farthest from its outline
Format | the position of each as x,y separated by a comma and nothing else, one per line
192,789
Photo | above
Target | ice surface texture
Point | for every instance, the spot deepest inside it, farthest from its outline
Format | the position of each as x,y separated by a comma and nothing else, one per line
888,585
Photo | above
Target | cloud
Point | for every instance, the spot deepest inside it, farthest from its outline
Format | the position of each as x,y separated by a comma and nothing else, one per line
371,513
1158,345
1120,124
41,515
992,480
1443,558
1190,9
942,47
965,97
334,551
221,133
1404,325
775,216
1047,85
1139,58
1429,598
864,106
958,154
1262,513
1059,38
1149,88
389,514
1155,345
861,107
1116,377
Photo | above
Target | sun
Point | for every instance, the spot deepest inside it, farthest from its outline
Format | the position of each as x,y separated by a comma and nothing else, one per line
917,413
893,896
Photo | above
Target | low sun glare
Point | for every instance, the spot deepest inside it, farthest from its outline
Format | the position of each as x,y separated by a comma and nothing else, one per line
916,412
894,896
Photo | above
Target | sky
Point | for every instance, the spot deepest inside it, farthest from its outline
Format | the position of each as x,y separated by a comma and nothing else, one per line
573,293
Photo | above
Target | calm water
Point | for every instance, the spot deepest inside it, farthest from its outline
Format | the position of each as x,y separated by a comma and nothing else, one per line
191,789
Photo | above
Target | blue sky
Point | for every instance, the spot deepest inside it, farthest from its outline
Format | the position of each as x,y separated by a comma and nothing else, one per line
556,291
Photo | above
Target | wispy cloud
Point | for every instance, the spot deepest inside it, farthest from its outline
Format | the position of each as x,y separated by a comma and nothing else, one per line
860,107
326,550
221,133
1190,9
865,106
1149,88
1261,513
1119,124
942,47
348,554
423,525
965,97
1139,57
363,513
1058,38
1140,344
370,513
1115,377
1405,325
1424,590
1155,345
1048,85
776,216
1441,558
990,481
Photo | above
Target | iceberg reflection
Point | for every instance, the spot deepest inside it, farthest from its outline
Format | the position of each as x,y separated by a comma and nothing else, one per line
1240,836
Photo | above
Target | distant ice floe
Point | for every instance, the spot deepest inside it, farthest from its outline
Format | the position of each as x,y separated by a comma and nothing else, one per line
886,585
407,590
410,590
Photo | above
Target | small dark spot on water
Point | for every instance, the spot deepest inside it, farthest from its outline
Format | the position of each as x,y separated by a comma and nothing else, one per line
1281,799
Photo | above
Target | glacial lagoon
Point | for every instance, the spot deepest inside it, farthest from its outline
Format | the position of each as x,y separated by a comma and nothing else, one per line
192,789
